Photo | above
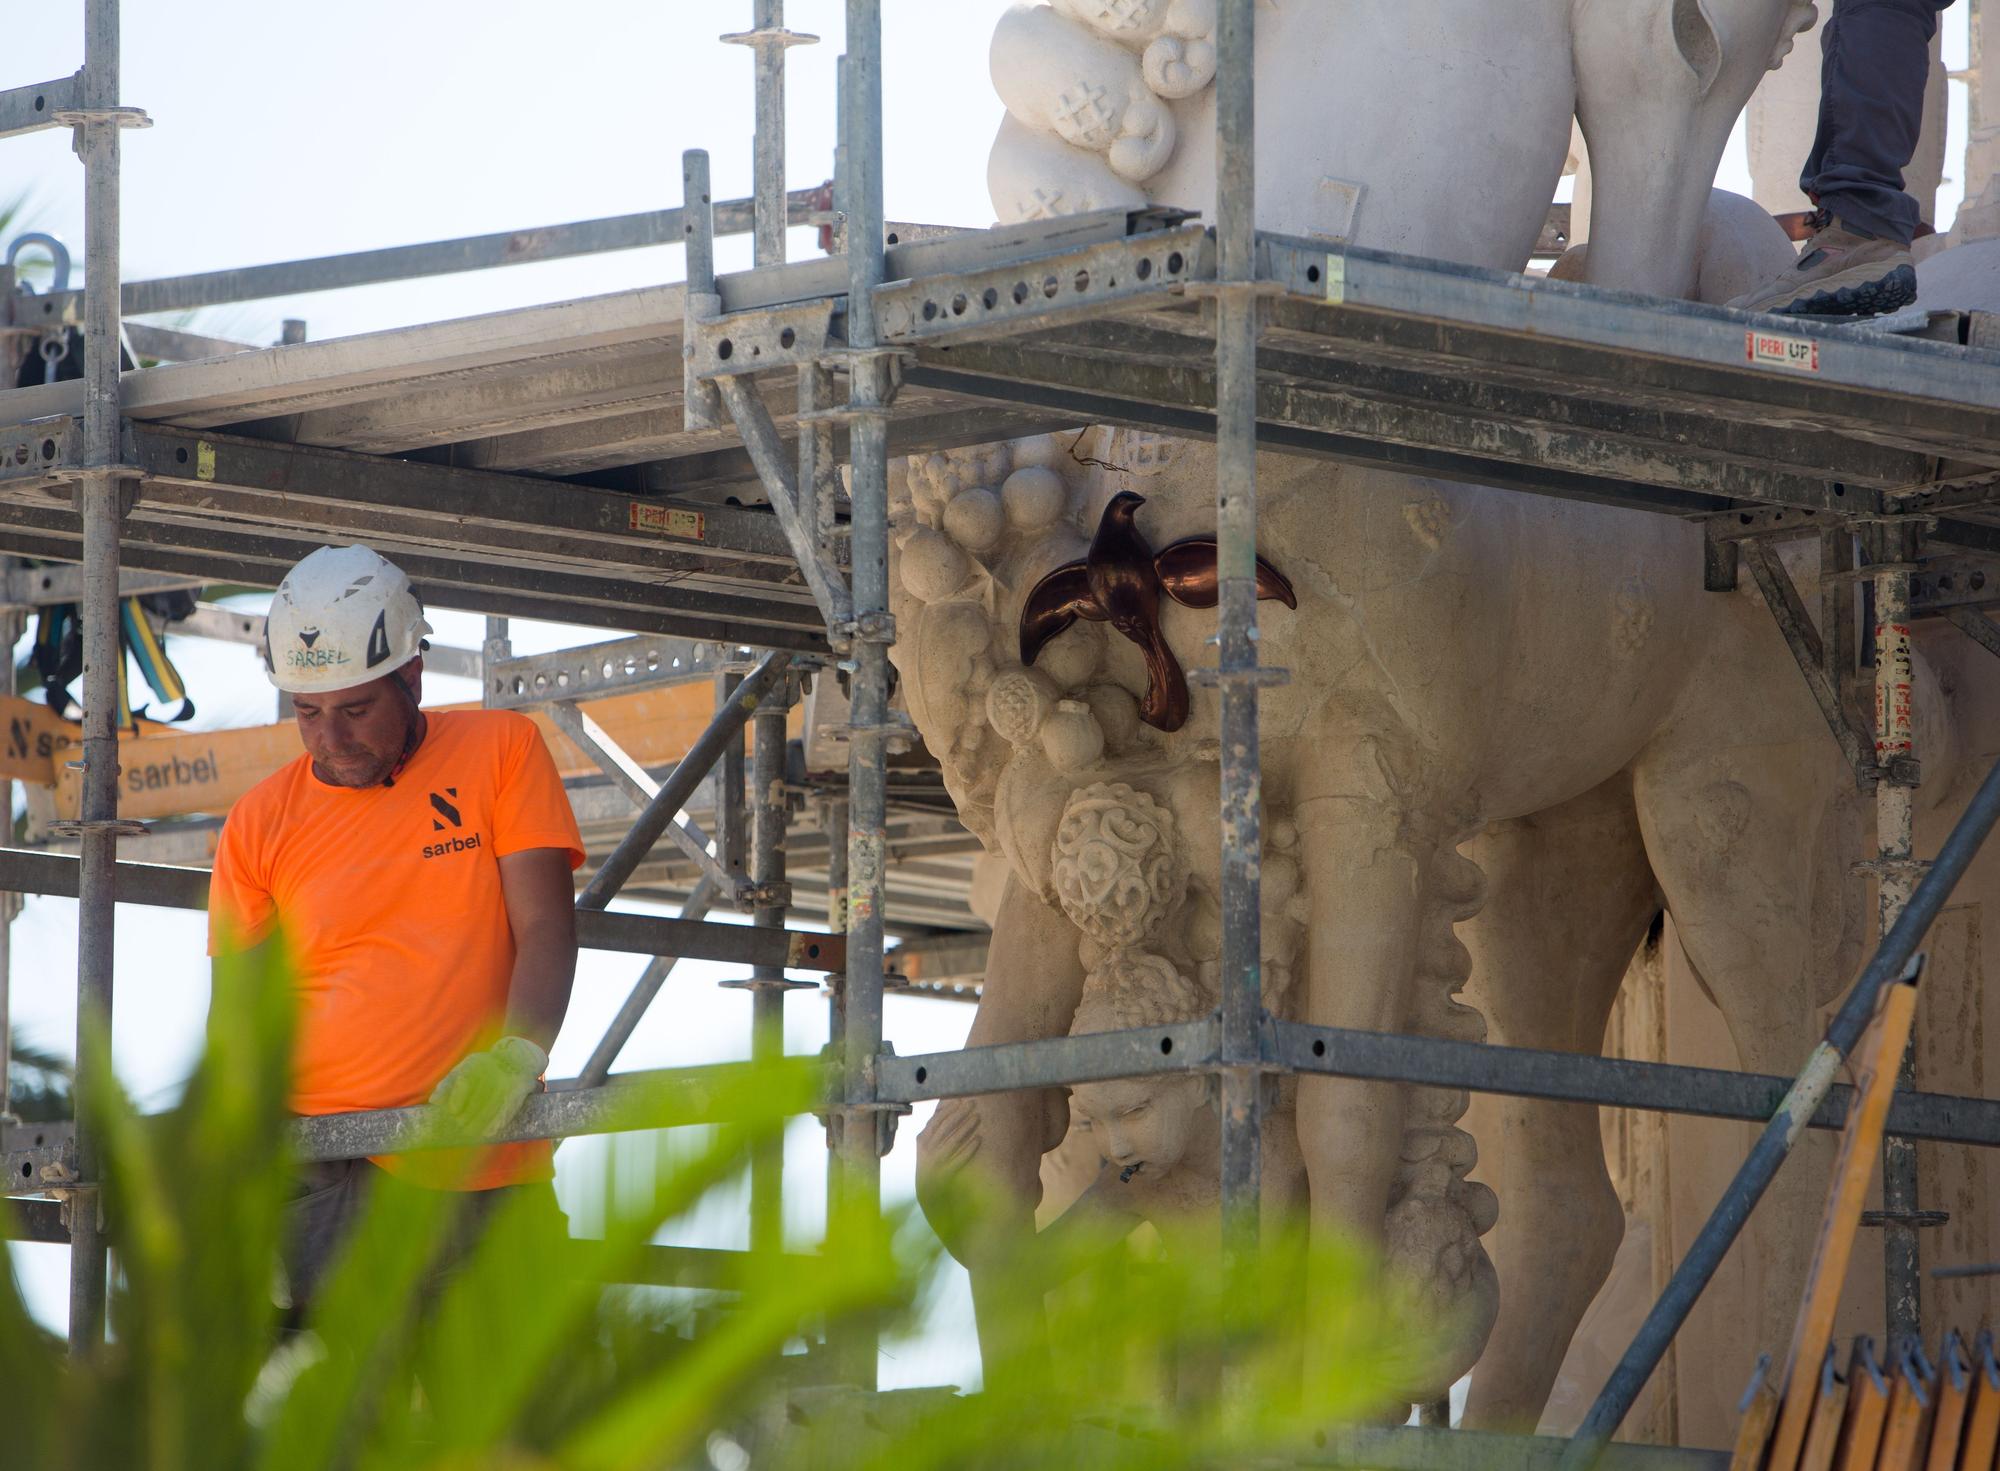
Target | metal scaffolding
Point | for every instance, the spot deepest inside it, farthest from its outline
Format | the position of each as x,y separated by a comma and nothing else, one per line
588,481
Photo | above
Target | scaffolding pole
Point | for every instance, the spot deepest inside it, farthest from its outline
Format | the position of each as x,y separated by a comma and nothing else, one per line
1238,672
769,40
97,492
1896,872
12,624
767,984
833,823
871,632
730,847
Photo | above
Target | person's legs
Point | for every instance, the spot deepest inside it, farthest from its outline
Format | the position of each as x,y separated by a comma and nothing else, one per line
1875,62
326,1202
475,1210
329,1199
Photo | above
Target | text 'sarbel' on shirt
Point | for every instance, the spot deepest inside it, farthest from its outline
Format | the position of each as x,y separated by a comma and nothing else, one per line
390,900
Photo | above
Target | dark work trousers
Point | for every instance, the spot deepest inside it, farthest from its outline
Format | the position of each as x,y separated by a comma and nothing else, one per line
1875,61
329,1198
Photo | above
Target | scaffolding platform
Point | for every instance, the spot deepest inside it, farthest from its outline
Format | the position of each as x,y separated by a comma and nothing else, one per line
538,462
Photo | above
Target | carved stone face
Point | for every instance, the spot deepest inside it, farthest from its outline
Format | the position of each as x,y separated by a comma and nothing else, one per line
1153,1123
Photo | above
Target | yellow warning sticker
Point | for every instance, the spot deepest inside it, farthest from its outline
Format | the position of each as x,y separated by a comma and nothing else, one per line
667,521
204,460
1775,350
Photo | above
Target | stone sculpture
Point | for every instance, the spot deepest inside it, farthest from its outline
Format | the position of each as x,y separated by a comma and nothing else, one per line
1121,581
1523,678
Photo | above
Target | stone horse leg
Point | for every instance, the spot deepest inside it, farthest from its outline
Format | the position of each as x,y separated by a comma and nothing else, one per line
1752,824
994,1143
1569,895
1385,885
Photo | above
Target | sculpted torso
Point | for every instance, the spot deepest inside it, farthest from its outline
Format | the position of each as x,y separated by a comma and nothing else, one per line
1484,686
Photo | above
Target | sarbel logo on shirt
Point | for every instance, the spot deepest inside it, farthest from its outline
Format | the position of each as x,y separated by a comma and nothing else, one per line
447,809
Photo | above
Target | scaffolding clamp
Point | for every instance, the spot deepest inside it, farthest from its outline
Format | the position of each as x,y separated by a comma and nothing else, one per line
78,827
869,627
772,894
765,36
1913,1220
124,117
1911,868
766,983
64,1186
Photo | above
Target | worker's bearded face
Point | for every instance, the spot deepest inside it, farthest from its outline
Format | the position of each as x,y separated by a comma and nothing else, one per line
358,737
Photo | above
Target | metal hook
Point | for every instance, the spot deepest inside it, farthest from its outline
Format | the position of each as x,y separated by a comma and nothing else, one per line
54,347
58,255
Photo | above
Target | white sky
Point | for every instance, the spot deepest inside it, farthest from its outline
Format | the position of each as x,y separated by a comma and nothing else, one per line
287,131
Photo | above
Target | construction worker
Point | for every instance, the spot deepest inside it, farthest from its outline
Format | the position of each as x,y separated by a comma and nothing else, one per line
1875,60
417,865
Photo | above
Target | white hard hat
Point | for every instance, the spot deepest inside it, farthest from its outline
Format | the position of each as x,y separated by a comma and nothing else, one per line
342,617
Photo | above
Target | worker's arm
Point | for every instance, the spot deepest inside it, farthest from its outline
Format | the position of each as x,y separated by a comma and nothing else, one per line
541,912
488,1088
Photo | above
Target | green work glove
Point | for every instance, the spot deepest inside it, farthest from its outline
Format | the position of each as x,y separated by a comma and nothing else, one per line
488,1088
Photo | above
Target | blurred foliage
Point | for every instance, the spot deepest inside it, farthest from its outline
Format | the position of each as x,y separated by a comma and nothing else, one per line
522,1357
38,1084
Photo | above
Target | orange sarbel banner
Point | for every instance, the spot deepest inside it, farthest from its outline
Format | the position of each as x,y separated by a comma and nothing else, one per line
36,742
165,771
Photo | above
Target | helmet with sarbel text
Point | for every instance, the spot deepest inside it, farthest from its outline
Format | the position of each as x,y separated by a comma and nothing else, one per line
342,617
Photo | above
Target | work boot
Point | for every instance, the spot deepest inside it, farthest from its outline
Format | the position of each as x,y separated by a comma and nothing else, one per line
1839,273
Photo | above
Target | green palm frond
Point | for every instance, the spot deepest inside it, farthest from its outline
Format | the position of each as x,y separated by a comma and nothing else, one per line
526,1355
38,1084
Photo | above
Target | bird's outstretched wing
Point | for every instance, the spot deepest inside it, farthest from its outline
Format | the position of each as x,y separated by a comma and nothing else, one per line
1058,600
1188,575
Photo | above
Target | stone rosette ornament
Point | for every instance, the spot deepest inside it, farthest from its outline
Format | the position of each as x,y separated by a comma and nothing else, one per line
1117,869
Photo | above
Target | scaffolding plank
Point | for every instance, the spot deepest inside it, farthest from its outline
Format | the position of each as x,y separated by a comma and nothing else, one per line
1592,451
1666,425
602,596
1564,314
502,590
306,375
1079,406
298,475
1930,396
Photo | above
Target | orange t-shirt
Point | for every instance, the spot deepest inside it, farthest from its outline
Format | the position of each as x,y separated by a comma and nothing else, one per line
391,902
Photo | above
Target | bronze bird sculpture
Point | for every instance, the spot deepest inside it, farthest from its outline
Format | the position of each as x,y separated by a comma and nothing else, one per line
1119,582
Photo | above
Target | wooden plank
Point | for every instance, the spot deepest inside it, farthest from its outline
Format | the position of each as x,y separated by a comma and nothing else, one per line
1759,1411
1982,1422
166,772
1912,1397
1867,1410
1953,1394
1829,1414
1860,1142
